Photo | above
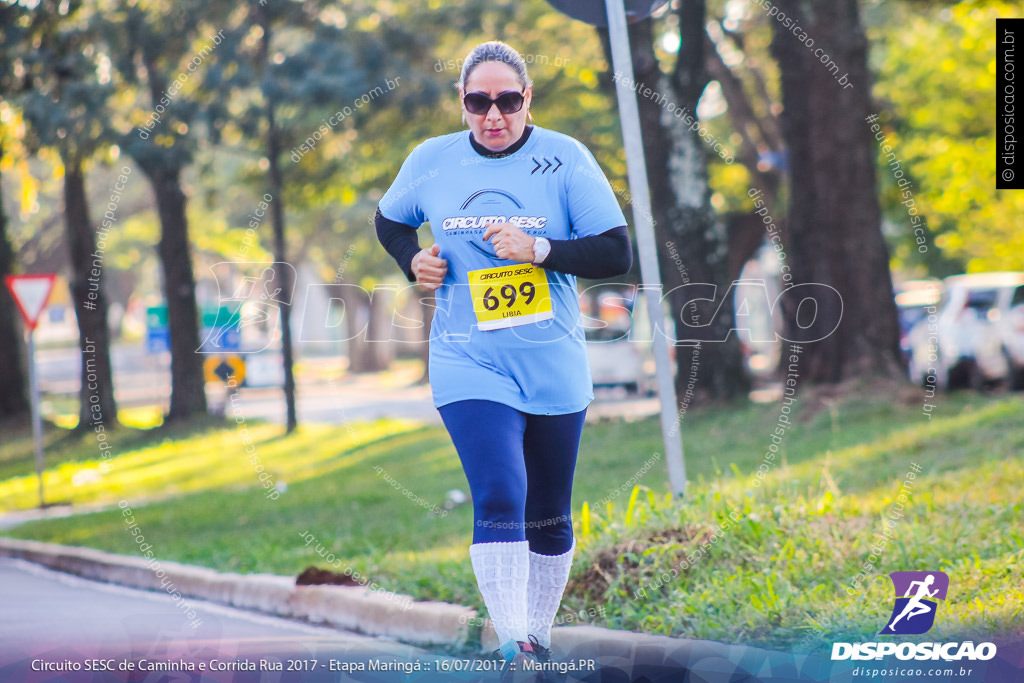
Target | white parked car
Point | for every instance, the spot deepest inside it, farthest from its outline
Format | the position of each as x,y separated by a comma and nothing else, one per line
944,345
615,361
1000,354
619,341
913,301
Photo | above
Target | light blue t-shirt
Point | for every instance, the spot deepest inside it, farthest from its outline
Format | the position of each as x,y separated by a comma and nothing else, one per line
551,187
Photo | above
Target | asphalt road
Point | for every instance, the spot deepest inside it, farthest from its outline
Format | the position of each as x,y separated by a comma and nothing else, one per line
60,628
143,379
324,395
52,622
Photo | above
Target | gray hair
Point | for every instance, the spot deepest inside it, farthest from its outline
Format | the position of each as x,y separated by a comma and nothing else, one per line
495,51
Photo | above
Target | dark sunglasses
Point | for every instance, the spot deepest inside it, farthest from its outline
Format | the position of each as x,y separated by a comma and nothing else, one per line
508,102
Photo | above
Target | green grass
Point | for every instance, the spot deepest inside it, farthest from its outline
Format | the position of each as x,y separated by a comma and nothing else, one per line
776,577
779,575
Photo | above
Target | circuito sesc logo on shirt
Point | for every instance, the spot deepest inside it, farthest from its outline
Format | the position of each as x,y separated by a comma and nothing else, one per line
484,207
917,596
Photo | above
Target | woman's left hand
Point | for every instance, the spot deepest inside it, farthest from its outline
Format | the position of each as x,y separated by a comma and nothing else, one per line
510,242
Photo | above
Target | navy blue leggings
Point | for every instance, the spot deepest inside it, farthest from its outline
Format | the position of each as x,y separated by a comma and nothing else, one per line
520,469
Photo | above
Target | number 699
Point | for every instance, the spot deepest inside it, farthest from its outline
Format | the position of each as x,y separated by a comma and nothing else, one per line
508,294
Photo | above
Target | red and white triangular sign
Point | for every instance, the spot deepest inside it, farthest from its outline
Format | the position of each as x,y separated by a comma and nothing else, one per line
30,293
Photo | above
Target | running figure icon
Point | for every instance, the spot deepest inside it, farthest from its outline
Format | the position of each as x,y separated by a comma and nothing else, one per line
915,606
916,601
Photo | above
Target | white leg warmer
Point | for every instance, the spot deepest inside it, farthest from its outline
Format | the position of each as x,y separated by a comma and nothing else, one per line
548,576
502,573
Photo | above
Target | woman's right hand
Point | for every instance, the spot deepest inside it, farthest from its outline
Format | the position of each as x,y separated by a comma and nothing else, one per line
429,268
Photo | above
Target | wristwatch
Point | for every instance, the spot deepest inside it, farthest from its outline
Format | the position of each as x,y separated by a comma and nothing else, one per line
541,249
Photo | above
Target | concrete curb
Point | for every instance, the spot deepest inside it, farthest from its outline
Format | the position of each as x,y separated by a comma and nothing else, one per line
395,616
354,608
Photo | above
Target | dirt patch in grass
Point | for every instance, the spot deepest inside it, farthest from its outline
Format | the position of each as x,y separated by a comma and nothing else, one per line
609,564
313,576
819,398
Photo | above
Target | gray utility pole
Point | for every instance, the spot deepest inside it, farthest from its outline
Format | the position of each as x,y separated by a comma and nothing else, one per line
614,11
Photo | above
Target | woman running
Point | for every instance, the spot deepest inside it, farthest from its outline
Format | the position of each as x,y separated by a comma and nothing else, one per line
516,212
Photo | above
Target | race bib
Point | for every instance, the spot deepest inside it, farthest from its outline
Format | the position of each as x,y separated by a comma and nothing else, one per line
510,296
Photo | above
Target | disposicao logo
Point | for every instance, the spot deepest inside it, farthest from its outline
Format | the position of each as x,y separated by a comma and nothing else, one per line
913,613
915,607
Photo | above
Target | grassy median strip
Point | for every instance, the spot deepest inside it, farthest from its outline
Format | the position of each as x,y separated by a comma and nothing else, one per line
776,559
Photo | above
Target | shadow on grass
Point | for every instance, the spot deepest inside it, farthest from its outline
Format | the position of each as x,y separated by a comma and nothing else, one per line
340,500
63,445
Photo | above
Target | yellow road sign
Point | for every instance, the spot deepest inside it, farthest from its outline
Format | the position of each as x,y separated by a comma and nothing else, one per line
220,368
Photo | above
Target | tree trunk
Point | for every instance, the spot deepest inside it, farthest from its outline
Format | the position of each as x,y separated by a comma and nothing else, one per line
380,328
835,233
96,404
693,244
14,397
188,389
163,165
356,316
369,318
283,273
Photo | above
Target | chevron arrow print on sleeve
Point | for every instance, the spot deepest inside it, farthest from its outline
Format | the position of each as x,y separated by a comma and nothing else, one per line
546,165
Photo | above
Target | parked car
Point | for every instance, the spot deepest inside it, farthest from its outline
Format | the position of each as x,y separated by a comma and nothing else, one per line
944,345
618,342
1000,353
913,299
617,361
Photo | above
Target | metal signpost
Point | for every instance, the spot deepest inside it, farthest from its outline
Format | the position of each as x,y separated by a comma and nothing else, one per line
30,294
613,14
